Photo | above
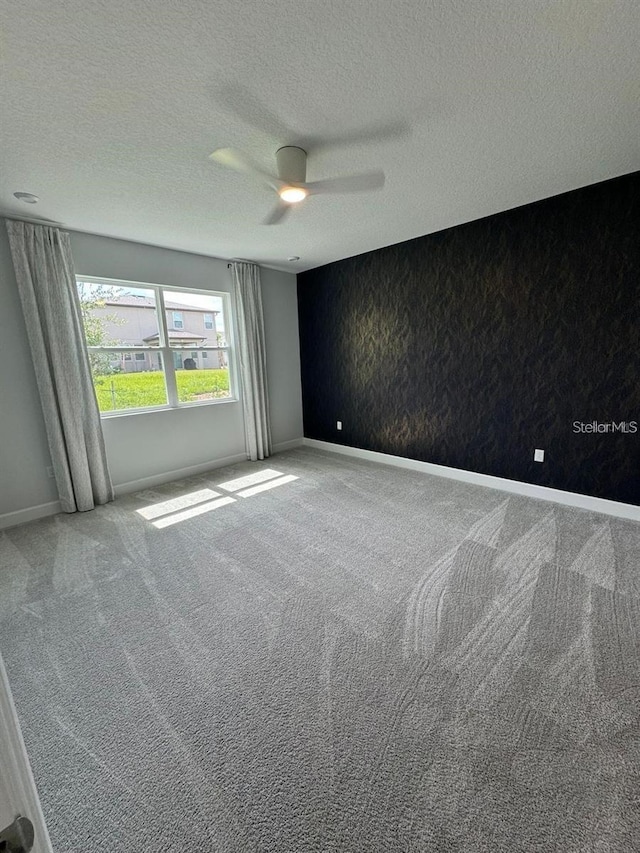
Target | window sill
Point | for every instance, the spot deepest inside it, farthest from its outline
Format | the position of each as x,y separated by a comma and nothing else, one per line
153,409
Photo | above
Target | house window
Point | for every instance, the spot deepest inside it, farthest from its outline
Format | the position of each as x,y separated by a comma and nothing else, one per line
141,349
208,321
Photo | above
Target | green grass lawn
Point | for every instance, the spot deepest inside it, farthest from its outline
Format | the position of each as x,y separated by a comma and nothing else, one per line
138,390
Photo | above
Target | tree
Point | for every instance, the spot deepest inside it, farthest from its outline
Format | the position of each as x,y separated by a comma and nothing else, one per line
94,296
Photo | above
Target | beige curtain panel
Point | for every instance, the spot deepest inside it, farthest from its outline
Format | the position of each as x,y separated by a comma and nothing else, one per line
252,359
46,283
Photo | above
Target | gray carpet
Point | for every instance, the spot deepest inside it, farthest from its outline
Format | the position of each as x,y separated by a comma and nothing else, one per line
357,659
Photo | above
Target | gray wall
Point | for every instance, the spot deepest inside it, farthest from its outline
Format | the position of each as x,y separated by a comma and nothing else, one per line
153,444
24,454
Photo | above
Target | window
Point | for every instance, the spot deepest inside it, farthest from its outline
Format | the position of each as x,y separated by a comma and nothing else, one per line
141,341
208,321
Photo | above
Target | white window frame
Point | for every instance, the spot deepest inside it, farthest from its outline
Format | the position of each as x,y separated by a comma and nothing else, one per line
211,321
179,314
167,351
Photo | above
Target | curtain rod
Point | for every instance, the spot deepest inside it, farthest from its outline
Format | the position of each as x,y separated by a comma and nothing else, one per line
51,223
240,261
15,217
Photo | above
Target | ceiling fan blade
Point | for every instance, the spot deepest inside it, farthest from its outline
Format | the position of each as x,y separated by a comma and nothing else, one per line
239,101
239,162
348,184
277,213
243,104
373,134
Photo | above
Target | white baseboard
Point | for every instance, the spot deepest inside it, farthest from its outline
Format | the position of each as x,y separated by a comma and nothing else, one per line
194,470
31,513
607,507
177,474
288,445
543,493
22,516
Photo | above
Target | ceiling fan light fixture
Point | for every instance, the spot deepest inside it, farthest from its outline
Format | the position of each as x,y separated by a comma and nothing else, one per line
291,183
292,195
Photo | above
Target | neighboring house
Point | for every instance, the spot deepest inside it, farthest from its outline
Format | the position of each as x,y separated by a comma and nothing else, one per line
131,321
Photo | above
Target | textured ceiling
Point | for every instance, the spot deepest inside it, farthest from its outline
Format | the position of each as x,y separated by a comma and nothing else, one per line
110,109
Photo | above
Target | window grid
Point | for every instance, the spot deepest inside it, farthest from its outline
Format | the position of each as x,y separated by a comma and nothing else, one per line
167,355
166,351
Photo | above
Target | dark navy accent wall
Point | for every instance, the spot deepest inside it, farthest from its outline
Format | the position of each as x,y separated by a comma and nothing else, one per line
473,346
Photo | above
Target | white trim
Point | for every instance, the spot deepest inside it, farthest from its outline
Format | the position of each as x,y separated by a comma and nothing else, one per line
168,364
530,490
124,413
164,349
231,336
288,445
146,285
177,474
30,513
17,787
194,470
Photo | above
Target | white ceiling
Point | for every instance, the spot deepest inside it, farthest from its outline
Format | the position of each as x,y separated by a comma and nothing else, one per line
111,107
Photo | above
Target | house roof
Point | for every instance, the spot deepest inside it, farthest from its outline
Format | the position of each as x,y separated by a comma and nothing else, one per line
131,300
177,336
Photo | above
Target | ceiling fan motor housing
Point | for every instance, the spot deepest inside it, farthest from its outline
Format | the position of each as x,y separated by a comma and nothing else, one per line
292,164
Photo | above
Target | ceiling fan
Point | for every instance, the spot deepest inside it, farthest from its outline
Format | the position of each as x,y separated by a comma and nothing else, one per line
291,183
